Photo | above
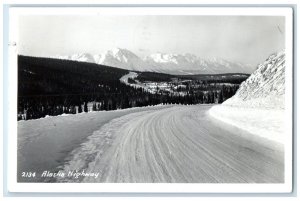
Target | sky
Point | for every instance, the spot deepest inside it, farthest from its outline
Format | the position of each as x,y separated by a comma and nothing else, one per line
245,39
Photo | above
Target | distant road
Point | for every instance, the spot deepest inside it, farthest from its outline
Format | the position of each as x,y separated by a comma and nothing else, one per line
179,144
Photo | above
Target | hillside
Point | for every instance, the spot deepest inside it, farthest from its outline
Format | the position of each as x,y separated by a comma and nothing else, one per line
258,105
53,87
265,87
44,76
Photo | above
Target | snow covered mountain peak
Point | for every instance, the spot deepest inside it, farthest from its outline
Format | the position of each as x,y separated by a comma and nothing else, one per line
121,54
265,87
163,58
85,57
191,57
82,57
162,62
121,58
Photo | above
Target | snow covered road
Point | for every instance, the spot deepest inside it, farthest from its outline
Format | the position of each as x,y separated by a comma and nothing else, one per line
46,143
176,144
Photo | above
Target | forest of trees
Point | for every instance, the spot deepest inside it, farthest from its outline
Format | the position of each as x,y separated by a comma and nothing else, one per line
53,87
233,78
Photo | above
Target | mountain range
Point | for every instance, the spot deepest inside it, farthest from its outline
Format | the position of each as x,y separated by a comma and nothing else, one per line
162,63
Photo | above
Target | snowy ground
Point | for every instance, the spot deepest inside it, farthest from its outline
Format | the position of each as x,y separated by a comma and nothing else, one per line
137,84
155,144
124,79
44,144
263,122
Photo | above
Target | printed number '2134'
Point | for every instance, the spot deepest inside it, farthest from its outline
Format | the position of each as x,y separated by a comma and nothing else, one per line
28,174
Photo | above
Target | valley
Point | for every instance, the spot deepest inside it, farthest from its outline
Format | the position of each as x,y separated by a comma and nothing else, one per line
50,87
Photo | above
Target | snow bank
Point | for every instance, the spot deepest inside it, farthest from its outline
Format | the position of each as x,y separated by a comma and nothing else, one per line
258,106
266,123
265,88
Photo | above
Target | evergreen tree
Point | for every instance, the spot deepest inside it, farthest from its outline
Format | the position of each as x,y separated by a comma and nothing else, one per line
220,99
79,108
85,107
94,107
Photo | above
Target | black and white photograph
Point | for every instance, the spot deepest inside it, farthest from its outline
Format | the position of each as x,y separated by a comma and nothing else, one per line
153,98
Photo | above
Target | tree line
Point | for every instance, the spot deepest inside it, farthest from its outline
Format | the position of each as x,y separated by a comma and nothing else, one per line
53,87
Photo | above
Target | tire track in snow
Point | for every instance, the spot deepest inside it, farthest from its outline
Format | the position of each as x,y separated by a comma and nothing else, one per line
177,144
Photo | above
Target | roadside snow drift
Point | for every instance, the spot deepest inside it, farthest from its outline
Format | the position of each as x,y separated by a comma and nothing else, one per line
258,105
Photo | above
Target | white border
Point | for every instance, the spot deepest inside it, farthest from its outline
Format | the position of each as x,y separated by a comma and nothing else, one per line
13,186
